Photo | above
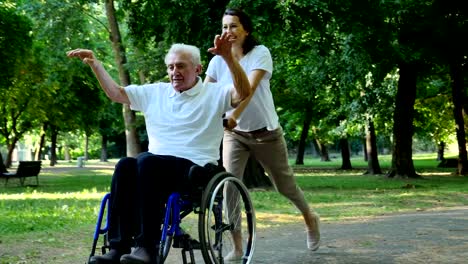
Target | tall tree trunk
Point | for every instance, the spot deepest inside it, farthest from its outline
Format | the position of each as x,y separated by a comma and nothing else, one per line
373,166
3,163
440,151
316,147
345,154
38,152
458,100
66,153
10,148
86,152
104,148
364,148
324,156
53,145
133,144
402,156
304,134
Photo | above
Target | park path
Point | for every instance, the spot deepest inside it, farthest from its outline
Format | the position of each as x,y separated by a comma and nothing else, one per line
432,236
436,236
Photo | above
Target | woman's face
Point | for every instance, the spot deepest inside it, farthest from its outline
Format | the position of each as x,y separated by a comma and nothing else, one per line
231,24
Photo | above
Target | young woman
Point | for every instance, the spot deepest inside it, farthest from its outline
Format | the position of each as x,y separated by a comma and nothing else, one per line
253,128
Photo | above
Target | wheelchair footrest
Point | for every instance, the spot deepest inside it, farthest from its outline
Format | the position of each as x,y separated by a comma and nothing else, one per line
186,242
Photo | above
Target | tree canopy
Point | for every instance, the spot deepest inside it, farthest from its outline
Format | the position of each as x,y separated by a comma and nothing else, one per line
338,66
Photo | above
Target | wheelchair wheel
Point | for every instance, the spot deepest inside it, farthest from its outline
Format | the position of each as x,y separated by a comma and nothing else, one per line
226,210
166,241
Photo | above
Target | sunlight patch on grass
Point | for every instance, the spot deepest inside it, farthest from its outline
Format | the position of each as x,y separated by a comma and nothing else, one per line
84,195
431,174
268,220
328,174
354,204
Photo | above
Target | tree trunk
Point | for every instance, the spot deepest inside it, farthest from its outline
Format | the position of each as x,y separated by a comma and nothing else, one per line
10,147
345,154
440,151
316,147
324,156
304,134
86,152
104,148
53,145
3,167
66,153
458,100
402,159
364,148
38,154
133,144
373,166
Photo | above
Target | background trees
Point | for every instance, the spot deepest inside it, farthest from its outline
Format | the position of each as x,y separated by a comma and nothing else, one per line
344,70
20,78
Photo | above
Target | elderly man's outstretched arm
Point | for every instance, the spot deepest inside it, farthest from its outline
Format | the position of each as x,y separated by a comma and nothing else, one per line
114,91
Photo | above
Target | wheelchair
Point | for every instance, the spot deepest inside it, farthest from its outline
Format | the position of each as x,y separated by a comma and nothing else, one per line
223,206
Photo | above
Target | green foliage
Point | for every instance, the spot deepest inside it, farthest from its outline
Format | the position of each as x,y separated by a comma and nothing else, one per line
334,59
71,99
15,44
20,79
155,25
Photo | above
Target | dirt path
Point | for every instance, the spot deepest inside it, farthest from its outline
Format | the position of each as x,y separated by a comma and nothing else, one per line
423,237
439,236
435,236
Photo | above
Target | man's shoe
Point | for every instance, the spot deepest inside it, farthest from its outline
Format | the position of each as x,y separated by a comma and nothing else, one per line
111,257
139,255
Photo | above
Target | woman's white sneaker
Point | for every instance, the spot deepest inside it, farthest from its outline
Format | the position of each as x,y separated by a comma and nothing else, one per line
313,236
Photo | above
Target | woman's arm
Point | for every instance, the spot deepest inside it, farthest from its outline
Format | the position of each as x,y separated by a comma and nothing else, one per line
241,89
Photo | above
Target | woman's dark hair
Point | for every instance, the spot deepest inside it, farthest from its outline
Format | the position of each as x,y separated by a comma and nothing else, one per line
250,42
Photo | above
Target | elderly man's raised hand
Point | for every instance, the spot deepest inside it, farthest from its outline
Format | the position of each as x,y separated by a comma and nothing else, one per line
87,56
222,45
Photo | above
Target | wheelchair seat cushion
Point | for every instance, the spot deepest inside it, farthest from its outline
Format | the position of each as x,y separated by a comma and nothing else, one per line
198,176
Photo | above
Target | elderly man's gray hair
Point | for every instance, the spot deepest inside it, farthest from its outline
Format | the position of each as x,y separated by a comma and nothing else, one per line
193,51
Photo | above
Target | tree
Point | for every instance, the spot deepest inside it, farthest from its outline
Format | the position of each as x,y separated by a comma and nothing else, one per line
70,87
373,166
400,31
448,24
133,145
19,94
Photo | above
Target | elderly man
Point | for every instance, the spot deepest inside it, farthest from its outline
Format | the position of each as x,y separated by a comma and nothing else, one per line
184,125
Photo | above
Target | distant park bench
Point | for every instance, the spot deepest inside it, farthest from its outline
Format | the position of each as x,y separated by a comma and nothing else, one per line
25,169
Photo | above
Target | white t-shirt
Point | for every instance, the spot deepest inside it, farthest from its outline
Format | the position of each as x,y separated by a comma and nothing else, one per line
186,125
260,112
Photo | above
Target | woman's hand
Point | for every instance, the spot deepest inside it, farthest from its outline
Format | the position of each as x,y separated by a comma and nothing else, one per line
229,123
222,45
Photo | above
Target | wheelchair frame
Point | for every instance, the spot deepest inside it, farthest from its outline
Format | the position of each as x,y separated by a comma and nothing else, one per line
180,205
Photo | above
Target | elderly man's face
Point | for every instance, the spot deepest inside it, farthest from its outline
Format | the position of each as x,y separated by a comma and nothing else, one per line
182,73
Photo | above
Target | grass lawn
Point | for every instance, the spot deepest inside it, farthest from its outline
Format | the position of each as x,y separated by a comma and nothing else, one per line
54,222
